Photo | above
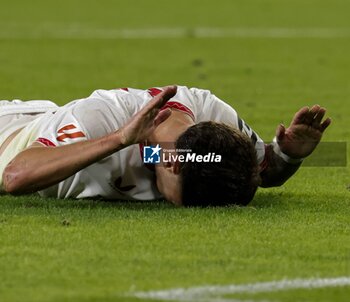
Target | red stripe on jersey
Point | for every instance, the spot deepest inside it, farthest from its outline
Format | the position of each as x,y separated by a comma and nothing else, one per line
141,145
154,91
125,89
45,142
180,107
175,105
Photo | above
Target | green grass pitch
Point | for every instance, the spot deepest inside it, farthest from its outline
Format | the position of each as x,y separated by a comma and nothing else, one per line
267,59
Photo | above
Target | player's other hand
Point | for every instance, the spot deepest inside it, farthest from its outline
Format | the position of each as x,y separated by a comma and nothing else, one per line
304,133
142,124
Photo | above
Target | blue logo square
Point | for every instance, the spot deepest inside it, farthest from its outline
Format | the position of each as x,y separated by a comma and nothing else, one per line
151,154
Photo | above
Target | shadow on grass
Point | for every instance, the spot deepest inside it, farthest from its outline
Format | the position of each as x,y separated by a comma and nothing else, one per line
263,199
34,201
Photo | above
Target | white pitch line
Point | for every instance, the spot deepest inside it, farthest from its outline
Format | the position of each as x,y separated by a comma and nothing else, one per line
215,292
81,32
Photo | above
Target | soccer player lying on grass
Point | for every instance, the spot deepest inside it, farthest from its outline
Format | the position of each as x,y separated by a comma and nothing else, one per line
91,147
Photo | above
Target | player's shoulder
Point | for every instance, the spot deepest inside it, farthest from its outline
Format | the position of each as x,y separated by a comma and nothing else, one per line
150,91
134,97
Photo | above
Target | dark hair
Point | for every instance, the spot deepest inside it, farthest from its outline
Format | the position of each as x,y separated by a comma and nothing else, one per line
234,180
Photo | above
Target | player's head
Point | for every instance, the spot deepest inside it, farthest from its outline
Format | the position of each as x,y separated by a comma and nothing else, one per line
234,180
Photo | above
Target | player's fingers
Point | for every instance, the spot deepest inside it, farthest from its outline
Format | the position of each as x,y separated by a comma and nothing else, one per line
299,117
160,100
162,116
318,119
325,124
310,116
280,132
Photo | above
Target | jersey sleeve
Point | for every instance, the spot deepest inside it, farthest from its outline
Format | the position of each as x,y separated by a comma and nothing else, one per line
80,120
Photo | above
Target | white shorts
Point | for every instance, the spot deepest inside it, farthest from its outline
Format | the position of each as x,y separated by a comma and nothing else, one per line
14,116
17,114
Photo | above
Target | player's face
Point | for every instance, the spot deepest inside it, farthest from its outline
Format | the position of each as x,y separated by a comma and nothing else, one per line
168,183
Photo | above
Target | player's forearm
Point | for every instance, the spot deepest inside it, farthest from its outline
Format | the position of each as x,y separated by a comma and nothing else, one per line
37,168
277,171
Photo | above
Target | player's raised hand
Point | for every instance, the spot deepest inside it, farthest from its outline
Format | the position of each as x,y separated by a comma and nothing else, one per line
142,124
304,133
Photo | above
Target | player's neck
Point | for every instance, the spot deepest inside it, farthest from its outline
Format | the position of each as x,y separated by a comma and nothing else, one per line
172,128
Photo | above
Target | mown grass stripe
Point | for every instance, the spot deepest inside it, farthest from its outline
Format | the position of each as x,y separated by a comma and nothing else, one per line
78,32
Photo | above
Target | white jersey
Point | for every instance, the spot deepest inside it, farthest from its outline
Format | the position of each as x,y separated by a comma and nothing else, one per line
123,174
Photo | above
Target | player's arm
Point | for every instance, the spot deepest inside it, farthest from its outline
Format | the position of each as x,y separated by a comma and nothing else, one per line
39,167
284,156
